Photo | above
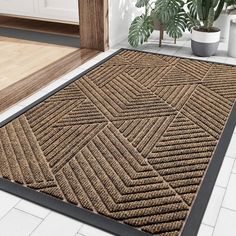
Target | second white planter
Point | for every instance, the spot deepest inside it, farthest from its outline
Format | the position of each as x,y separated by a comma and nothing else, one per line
223,23
232,38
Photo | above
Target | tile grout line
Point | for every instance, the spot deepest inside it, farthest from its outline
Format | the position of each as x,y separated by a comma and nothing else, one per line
225,188
15,207
81,234
40,224
207,225
226,208
213,226
9,210
82,224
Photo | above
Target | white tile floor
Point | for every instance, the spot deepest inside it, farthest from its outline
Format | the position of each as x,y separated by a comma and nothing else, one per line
21,218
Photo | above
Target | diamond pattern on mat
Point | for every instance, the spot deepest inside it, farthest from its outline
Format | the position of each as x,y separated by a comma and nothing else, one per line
130,140
176,76
222,81
197,69
137,60
125,99
181,156
201,108
124,186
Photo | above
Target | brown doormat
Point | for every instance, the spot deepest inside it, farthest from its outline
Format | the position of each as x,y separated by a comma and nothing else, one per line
132,146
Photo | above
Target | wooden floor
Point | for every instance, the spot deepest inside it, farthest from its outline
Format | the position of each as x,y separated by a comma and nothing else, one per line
27,66
20,58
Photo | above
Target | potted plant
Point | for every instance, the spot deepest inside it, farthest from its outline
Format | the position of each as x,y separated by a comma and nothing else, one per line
169,15
206,37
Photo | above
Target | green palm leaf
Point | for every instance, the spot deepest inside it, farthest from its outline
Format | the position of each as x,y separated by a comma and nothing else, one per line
166,9
192,7
176,25
191,22
142,3
140,30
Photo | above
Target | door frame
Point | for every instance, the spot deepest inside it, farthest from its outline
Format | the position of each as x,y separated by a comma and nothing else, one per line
93,20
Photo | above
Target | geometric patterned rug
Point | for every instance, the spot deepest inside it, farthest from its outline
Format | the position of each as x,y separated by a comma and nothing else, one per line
130,140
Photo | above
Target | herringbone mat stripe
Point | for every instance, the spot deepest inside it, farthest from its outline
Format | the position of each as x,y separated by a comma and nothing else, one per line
130,140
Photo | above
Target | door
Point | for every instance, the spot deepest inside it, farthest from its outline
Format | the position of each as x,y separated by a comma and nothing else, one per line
64,10
16,7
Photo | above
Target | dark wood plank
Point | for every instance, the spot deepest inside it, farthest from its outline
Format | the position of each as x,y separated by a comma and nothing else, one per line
27,86
39,26
94,24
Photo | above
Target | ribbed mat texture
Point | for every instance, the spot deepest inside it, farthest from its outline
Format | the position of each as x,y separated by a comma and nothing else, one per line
130,140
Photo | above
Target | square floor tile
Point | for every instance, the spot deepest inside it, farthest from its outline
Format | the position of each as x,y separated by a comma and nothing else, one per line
231,152
184,52
225,172
226,223
234,168
32,209
222,51
213,207
169,50
18,223
87,230
57,225
217,59
152,48
205,230
7,202
223,46
230,195
231,61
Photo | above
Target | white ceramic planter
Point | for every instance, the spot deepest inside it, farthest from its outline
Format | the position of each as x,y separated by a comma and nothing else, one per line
232,39
205,44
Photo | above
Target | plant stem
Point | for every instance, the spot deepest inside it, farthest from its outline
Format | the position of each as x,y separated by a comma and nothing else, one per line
219,9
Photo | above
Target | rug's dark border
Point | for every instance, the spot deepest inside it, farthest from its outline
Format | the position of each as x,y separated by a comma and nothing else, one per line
42,37
197,211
